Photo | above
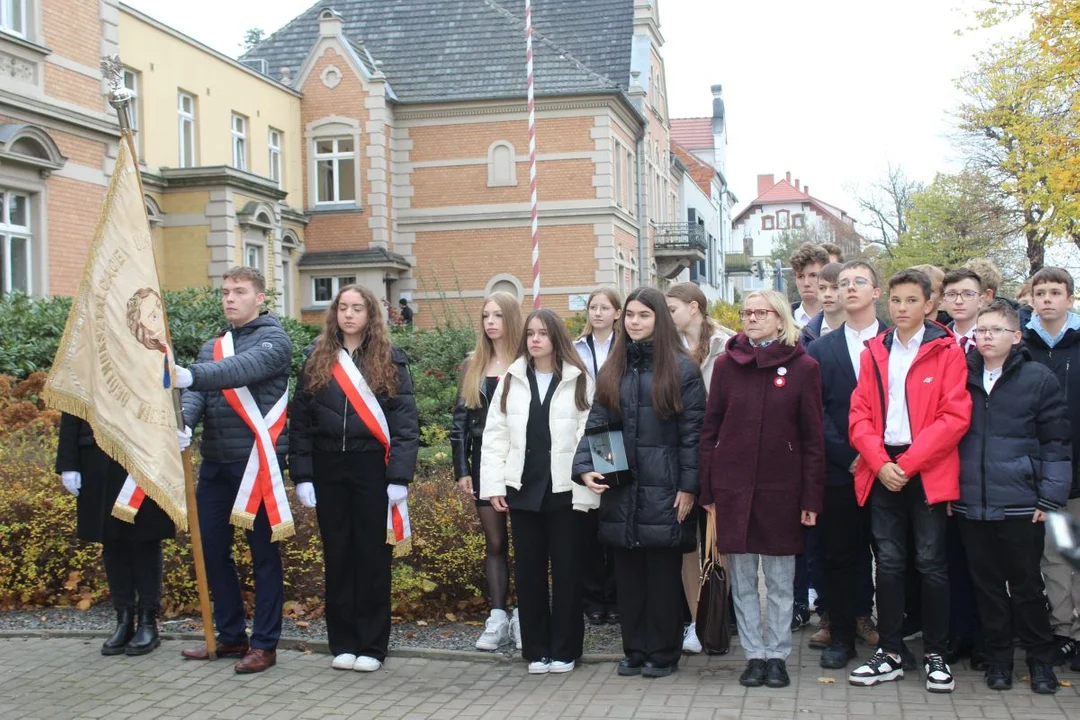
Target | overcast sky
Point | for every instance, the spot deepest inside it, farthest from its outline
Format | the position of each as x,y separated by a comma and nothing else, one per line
832,90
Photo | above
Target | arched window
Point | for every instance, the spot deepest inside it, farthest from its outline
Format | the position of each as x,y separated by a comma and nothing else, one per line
502,165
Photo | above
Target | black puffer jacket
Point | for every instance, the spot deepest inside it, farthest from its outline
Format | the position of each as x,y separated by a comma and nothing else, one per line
1016,455
326,422
663,457
262,359
1061,359
467,429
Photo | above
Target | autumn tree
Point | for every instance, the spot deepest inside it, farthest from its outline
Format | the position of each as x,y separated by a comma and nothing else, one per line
884,206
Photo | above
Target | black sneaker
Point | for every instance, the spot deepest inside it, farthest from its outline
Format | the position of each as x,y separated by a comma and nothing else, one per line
776,673
837,655
1075,664
999,676
881,667
1043,679
939,678
630,666
754,675
800,617
1066,650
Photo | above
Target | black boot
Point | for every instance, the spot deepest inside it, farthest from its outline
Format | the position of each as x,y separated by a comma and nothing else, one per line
146,636
125,629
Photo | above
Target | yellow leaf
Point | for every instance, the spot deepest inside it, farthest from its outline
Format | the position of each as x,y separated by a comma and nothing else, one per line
303,624
421,623
83,604
451,617
1065,683
826,680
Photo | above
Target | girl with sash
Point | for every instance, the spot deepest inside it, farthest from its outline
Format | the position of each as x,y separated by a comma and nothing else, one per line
353,440
532,432
500,328
604,308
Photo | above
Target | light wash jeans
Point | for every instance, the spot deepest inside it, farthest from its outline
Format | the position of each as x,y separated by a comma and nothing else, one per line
779,587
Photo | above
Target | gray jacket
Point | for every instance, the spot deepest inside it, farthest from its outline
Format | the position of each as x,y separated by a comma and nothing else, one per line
261,363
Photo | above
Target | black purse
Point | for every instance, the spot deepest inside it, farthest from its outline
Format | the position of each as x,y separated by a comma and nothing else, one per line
713,629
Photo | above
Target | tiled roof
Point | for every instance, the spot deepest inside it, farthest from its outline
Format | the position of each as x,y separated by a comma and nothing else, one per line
447,50
692,133
367,256
700,171
782,192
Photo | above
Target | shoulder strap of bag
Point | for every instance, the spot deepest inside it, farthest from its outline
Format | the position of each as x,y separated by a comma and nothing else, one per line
592,351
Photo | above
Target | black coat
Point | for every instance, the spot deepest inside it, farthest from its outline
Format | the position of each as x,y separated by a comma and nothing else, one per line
662,453
102,479
1016,456
326,422
1062,359
467,430
837,383
262,363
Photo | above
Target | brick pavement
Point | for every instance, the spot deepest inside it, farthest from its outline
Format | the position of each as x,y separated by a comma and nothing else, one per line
53,679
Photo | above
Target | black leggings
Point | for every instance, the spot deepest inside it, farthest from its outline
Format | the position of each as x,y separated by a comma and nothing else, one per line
496,557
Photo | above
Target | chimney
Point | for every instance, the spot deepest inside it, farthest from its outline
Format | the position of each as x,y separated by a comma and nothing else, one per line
764,184
806,189
787,176
286,76
796,183
331,23
718,112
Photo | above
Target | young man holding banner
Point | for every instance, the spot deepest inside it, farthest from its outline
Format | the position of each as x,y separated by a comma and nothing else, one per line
239,388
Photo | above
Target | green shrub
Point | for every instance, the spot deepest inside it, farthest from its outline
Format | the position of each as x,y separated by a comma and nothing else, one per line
435,356
30,330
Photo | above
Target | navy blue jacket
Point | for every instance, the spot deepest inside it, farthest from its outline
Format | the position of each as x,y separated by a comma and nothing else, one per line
837,383
1061,359
1016,455
812,330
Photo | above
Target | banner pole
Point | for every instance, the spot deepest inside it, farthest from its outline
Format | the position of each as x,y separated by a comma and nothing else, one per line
120,98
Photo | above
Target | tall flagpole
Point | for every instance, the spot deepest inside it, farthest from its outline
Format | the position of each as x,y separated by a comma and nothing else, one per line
532,155
120,98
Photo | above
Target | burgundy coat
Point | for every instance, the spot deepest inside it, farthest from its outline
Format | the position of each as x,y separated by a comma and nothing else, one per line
762,454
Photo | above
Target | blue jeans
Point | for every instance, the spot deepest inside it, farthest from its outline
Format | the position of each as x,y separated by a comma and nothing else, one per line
215,495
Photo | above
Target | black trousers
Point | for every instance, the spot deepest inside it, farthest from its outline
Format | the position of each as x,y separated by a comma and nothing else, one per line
1008,552
351,507
963,612
649,583
552,625
894,516
845,534
597,565
133,570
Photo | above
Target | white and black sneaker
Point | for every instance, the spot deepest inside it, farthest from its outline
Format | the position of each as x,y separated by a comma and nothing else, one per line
939,678
881,667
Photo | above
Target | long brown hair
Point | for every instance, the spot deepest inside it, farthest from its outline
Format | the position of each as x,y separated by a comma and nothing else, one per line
477,361
689,292
377,365
613,297
562,352
667,351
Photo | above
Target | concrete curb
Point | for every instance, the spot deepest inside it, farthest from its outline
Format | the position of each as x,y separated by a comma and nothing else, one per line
316,646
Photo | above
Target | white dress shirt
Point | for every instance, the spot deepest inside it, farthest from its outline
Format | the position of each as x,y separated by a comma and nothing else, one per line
967,340
990,378
856,342
801,318
901,357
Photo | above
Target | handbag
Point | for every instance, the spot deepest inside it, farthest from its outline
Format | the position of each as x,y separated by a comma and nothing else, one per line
712,607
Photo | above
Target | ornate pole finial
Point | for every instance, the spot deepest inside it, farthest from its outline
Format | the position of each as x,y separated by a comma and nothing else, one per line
119,96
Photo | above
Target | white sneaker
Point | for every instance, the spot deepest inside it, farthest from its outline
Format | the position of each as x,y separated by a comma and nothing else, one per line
558,666
515,629
496,632
690,642
939,678
365,663
344,661
541,667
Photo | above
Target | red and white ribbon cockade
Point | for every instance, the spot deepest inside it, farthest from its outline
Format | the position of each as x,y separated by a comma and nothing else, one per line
262,483
366,406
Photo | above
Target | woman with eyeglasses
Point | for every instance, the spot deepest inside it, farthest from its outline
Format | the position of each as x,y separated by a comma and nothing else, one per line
762,470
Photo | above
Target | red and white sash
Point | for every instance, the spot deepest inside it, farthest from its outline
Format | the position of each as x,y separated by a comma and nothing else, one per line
262,482
366,406
128,501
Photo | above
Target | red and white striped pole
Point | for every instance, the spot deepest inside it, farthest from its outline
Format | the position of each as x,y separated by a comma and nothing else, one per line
532,155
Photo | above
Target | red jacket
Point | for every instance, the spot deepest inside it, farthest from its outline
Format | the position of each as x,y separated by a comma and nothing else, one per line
939,408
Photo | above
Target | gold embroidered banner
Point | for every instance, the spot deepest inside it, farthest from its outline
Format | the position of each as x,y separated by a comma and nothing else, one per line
114,368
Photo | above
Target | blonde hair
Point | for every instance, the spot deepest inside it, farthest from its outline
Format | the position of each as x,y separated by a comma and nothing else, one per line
689,292
789,331
616,302
936,275
477,361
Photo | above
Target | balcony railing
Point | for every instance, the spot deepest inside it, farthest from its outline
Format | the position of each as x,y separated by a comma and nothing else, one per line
681,236
738,264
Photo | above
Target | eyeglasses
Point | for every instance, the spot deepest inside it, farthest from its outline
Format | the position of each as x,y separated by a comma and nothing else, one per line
859,282
758,315
967,295
993,332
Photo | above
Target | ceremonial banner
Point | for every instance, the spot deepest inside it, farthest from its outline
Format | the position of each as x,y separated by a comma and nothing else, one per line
114,367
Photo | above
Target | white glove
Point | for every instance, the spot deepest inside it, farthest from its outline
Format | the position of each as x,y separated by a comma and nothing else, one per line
183,437
183,377
72,481
397,493
305,493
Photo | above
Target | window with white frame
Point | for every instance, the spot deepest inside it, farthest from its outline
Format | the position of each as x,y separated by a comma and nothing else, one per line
186,111
239,142
335,170
782,219
619,188
274,146
254,256
131,82
323,289
13,16
15,242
